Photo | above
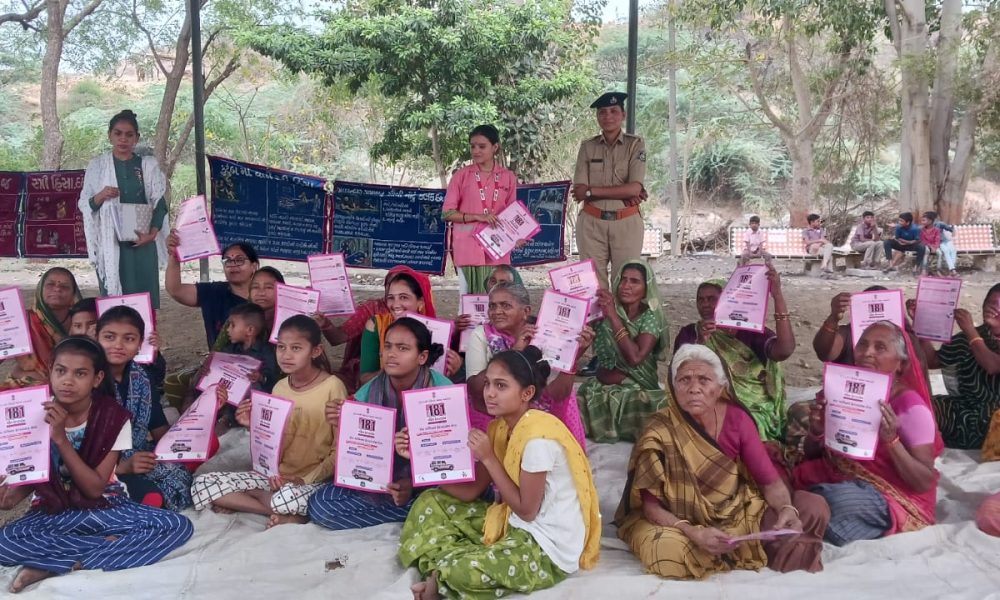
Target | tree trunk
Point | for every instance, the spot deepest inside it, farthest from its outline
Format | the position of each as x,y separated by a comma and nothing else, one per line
801,152
52,136
943,95
951,198
174,78
436,155
913,52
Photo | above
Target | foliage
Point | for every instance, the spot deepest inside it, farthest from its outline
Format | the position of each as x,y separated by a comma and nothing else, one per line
447,66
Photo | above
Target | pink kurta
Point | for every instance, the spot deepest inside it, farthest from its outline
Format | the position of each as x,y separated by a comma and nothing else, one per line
463,195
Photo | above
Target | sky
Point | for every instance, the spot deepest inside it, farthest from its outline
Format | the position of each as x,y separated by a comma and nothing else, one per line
617,10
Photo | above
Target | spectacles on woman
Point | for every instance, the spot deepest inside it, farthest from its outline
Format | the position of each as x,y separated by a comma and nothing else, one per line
234,261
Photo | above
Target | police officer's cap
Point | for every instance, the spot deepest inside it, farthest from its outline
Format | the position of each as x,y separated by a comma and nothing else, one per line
610,99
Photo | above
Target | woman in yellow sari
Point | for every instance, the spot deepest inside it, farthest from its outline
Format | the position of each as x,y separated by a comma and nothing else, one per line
48,323
699,476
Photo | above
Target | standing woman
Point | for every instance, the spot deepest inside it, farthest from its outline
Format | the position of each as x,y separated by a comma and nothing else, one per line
125,267
476,194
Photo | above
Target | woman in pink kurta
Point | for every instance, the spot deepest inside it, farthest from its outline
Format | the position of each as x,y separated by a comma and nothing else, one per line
476,194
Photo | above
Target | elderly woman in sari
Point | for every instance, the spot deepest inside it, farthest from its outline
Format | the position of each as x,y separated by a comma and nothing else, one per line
48,324
510,327
630,341
752,360
699,476
897,490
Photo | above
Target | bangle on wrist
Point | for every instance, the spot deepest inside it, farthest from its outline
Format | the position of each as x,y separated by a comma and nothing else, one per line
978,338
794,510
782,316
678,522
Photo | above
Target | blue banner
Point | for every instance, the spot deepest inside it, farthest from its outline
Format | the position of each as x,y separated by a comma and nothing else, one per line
284,215
379,227
547,203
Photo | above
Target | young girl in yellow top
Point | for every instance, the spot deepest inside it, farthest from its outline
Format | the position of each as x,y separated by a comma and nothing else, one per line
308,444
548,524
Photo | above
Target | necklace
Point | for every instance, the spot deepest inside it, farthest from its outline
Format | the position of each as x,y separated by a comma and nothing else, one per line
482,191
311,381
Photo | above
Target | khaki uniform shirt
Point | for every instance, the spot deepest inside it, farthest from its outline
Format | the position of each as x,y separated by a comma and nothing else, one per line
601,165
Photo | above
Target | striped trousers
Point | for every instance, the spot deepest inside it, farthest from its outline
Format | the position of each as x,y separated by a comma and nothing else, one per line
343,508
122,536
290,499
858,511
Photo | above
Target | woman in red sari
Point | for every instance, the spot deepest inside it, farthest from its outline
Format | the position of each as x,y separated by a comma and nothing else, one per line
897,491
48,324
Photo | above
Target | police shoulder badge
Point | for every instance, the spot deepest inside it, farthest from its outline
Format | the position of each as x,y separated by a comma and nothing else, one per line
642,156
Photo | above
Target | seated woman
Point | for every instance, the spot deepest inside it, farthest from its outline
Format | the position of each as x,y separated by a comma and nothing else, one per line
699,475
548,524
897,490
81,518
408,292
973,357
509,328
752,360
407,354
629,342
48,323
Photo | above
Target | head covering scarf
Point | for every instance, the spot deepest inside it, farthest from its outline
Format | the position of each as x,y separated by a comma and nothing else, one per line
44,311
509,269
382,321
652,300
46,330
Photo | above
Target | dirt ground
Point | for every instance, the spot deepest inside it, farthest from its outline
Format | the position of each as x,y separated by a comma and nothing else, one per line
808,298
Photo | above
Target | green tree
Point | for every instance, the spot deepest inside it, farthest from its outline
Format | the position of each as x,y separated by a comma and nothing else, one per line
448,65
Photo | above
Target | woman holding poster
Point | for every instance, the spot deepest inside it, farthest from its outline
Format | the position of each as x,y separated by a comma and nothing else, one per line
896,491
630,342
48,323
703,496
127,261
547,524
476,195
408,292
973,354
509,328
753,360
407,354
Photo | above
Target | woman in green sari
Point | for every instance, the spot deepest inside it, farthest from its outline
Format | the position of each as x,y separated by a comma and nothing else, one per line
631,340
752,360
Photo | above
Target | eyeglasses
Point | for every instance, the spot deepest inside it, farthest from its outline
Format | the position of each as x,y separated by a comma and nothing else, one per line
234,261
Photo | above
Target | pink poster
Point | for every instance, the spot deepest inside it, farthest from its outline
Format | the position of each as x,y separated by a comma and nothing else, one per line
231,372
24,436
516,223
53,225
440,334
937,299
292,301
328,275
743,303
194,228
15,338
189,439
143,306
474,305
268,417
438,423
579,279
365,447
561,319
871,307
853,408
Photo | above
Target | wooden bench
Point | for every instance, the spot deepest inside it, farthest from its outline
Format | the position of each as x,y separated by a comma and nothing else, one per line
786,243
977,240
652,242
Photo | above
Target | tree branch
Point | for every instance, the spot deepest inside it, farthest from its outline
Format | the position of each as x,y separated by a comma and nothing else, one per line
812,128
182,138
149,38
758,91
80,16
25,18
893,18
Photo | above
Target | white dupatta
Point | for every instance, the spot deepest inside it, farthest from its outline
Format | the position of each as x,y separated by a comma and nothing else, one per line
98,226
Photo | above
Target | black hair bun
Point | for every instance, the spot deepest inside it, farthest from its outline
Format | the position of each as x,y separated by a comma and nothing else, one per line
435,352
539,365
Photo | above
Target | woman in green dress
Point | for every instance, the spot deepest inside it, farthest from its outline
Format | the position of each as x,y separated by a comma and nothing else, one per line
631,340
127,262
